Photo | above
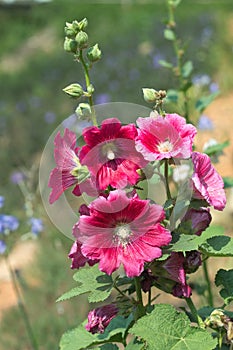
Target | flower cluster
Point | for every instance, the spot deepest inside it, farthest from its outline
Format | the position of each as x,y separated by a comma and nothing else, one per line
119,228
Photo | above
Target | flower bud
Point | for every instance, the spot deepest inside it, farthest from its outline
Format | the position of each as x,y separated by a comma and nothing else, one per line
94,53
70,45
192,261
83,24
82,40
69,30
150,95
99,319
74,90
83,111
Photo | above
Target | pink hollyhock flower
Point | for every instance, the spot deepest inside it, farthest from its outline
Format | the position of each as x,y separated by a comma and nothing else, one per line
122,230
68,171
175,267
110,154
98,319
198,220
207,183
165,137
78,259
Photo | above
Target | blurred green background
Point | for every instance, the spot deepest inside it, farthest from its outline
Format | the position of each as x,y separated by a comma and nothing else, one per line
34,69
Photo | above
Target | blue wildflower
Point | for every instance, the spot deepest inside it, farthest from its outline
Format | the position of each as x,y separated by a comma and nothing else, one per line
17,177
36,225
2,247
8,223
2,200
205,123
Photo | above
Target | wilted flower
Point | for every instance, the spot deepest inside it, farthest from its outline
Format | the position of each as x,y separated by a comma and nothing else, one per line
99,319
207,183
165,137
122,230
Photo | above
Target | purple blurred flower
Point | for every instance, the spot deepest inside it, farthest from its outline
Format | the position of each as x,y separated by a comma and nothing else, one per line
17,177
102,98
49,117
2,247
214,87
156,58
8,223
35,101
205,123
99,319
36,225
2,200
201,80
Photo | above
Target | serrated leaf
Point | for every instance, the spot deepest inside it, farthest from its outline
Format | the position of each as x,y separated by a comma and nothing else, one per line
166,328
218,246
79,338
92,281
224,278
213,150
165,64
187,69
228,182
203,102
169,34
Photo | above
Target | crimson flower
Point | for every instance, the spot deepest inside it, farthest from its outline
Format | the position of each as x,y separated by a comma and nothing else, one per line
78,259
207,183
68,171
196,221
98,319
165,137
122,230
110,154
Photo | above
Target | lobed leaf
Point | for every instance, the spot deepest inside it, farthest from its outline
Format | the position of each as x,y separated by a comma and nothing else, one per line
218,246
166,328
224,278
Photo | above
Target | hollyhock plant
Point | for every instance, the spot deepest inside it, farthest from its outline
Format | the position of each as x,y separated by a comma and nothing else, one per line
99,319
122,230
207,183
196,221
78,259
68,171
165,137
110,154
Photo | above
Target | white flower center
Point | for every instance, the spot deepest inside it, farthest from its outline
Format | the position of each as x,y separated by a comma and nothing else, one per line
165,147
108,150
122,234
110,155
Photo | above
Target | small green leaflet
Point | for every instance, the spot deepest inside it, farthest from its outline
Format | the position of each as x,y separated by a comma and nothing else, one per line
166,328
204,102
187,69
92,281
165,64
169,34
79,338
215,149
172,96
224,278
218,246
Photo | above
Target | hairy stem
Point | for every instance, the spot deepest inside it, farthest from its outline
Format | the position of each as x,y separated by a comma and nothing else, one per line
140,308
207,279
166,179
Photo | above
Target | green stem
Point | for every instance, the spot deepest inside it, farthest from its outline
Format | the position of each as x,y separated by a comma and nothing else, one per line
166,179
88,83
194,313
207,278
21,306
140,308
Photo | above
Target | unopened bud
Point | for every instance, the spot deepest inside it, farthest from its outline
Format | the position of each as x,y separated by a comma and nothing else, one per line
192,261
83,24
70,45
82,39
83,111
74,90
69,30
150,95
94,53
90,89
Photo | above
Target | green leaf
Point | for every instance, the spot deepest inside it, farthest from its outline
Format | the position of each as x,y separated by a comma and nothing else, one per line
165,64
109,346
216,149
224,278
228,182
169,34
187,69
186,243
135,345
172,96
166,328
79,338
92,281
203,102
218,246
212,231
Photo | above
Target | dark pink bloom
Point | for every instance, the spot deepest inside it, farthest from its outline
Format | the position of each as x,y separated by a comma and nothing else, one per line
68,171
78,259
207,183
165,137
122,230
196,221
98,319
110,154
175,267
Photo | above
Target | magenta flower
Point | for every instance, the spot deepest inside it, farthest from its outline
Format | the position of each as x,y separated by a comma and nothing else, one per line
165,137
98,319
68,171
175,267
122,230
110,154
199,220
78,259
207,183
